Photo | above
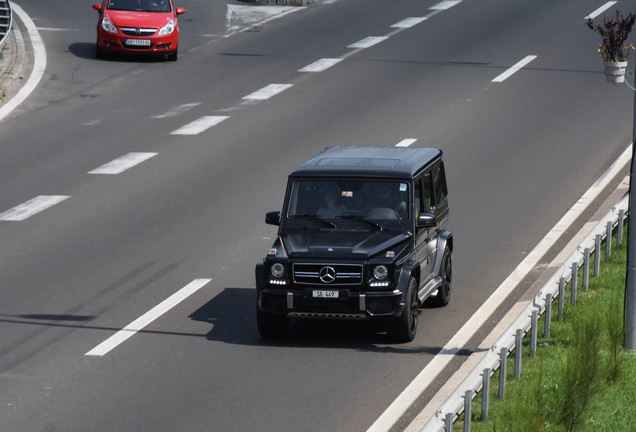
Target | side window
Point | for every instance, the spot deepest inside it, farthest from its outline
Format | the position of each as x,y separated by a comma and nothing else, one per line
427,193
439,183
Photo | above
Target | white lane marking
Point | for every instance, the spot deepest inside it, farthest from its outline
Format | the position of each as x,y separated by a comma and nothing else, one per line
413,391
177,110
199,125
141,322
39,62
409,22
600,10
406,142
268,92
368,42
514,69
445,5
31,207
321,65
123,163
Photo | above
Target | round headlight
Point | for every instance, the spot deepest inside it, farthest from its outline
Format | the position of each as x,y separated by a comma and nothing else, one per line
277,270
380,272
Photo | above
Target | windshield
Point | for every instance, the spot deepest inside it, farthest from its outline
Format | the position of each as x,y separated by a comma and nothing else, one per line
349,198
140,5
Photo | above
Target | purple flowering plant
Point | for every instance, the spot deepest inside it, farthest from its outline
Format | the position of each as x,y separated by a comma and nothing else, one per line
614,32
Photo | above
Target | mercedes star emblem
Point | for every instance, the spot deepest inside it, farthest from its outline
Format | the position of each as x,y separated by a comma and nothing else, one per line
327,274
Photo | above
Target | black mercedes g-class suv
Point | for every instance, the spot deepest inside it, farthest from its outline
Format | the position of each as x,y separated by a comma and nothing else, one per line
362,235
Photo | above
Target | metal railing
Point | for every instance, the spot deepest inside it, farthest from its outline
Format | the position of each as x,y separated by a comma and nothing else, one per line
5,21
511,340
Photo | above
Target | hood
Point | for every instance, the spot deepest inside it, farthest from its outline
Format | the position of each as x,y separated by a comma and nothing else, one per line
339,244
139,19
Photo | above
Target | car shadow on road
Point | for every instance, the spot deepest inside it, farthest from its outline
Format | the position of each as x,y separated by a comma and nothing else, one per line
86,50
233,318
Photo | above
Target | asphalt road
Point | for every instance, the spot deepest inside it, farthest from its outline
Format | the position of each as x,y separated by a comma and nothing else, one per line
519,153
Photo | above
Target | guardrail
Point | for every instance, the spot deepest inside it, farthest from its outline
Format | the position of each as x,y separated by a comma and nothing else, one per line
5,21
479,378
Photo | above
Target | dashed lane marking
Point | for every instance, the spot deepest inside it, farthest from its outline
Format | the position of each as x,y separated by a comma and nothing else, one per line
199,125
123,163
32,207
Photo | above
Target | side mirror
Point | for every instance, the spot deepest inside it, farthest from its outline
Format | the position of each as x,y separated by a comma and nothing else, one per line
97,7
272,218
179,11
426,220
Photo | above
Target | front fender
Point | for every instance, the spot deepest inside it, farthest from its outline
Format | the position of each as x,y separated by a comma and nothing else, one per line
403,281
445,242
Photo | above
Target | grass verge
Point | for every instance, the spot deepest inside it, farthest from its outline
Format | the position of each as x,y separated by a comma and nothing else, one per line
581,379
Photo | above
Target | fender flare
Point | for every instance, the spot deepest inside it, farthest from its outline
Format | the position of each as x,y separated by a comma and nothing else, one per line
445,242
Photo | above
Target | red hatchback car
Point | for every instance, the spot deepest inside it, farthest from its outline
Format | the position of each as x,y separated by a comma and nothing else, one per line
138,27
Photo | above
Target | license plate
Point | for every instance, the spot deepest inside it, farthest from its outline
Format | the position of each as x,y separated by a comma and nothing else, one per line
138,42
325,294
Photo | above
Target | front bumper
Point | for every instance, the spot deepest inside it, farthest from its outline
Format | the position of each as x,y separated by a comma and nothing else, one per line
349,304
117,43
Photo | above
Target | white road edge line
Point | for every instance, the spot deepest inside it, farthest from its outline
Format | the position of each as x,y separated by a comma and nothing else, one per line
199,125
267,92
410,394
39,63
123,163
31,207
444,5
600,10
147,318
514,69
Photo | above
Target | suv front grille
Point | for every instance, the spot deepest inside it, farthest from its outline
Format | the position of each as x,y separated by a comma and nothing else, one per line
328,274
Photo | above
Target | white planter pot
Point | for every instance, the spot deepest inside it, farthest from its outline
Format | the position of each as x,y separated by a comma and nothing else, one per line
615,71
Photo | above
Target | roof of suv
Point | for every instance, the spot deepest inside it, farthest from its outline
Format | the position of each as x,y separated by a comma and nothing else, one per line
368,160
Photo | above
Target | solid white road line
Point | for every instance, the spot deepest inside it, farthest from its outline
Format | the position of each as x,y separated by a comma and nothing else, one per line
321,65
39,63
147,318
406,142
199,125
409,22
123,163
268,92
514,69
368,42
410,394
31,207
600,10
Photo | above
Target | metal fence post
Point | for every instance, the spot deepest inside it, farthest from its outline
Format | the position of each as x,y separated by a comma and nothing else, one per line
586,268
485,395
561,296
468,398
608,241
597,255
533,334
518,349
503,355
448,422
619,229
574,284
548,315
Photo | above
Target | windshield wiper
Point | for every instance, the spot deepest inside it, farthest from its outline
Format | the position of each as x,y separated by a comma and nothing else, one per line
362,218
316,218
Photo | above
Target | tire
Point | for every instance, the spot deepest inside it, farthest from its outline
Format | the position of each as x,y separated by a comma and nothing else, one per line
99,53
403,328
444,291
174,55
271,326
